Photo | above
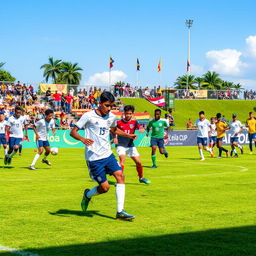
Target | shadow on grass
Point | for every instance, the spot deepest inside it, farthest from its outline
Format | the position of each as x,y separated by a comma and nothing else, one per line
6,167
90,214
238,241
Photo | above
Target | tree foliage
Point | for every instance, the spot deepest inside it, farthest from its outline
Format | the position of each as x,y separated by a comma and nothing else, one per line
6,76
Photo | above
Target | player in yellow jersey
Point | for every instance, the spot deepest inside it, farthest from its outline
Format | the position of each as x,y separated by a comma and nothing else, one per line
221,127
251,124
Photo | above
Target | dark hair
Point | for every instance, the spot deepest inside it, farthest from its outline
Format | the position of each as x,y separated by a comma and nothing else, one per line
158,110
166,115
218,115
250,113
129,108
107,96
201,113
48,111
17,108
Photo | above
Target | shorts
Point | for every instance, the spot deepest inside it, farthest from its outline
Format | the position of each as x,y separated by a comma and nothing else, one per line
202,141
233,139
213,138
100,168
2,140
42,143
14,142
252,136
57,103
157,142
130,151
219,139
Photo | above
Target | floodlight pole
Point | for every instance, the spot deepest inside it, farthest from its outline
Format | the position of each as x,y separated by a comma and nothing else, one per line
189,25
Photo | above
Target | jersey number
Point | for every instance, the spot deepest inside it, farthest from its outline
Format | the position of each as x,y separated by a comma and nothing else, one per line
103,130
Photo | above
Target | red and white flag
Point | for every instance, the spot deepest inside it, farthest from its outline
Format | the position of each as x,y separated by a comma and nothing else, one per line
160,102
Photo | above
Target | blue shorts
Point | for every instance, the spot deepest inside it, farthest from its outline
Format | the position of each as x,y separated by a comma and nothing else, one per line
202,141
100,168
219,139
213,138
2,139
14,142
233,139
57,103
252,136
43,143
157,142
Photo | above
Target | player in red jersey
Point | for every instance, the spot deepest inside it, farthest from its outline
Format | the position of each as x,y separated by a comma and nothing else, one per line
126,145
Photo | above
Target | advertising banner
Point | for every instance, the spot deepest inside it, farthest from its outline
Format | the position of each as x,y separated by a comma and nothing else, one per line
61,88
62,139
199,94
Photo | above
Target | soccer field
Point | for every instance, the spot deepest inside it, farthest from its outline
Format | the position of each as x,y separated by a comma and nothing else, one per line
191,208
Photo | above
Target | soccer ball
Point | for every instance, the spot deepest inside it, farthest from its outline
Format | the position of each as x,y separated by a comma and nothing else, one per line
54,151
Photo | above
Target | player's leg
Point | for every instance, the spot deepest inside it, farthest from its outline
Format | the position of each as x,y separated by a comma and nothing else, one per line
38,154
20,149
5,149
161,147
121,151
153,152
133,153
47,152
219,146
13,149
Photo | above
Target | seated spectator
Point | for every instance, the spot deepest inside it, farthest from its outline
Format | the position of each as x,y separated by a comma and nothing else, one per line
190,125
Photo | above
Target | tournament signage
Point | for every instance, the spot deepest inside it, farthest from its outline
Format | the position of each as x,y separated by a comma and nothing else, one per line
61,88
62,139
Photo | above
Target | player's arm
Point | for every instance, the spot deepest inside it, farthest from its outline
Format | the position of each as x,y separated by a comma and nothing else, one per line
74,133
115,140
35,131
148,128
119,132
26,130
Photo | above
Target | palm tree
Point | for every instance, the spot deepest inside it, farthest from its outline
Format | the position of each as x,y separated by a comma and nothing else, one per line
238,86
212,80
200,81
52,69
1,64
70,74
227,85
181,82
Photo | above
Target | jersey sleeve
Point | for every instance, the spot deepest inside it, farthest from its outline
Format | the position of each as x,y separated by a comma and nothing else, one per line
165,124
149,125
38,123
53,124
196,123
137,125
82,121
113,122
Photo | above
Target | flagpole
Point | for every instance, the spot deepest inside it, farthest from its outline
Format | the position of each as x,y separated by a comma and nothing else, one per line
137,73
109,81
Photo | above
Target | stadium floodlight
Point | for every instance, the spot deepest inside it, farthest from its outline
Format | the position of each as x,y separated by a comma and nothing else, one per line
189,24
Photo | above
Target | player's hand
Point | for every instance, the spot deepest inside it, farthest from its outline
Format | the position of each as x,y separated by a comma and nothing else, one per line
166,136
115,141
133,136
141,130
37,137
87,142
147,134
26,137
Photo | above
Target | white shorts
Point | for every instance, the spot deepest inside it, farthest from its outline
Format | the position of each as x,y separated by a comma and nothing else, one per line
130,151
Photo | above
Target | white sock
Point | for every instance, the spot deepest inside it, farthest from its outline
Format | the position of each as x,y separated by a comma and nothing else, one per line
208,149
120,195
5,151
239,146
201,153
12,154
234,150
93,192
35,159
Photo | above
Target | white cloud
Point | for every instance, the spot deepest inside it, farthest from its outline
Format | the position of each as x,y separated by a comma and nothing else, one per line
102,79
197,70
246,83
251,46
226,62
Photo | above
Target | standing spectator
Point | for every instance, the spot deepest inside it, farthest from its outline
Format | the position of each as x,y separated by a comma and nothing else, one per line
57,100
69,100
48,94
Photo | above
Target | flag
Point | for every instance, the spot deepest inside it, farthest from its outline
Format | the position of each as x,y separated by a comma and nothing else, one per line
159,67
138,65
111,61
160,101
188,66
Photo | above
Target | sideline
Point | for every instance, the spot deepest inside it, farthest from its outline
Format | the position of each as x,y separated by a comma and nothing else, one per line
16,251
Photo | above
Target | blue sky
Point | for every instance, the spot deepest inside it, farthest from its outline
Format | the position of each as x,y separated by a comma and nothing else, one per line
223,38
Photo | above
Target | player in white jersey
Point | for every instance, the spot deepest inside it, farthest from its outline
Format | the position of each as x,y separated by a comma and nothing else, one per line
203,125
3,135
41,128
212,133
14,127
235,128
100,159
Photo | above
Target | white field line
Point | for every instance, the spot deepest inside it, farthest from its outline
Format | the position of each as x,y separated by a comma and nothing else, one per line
16,251
242,169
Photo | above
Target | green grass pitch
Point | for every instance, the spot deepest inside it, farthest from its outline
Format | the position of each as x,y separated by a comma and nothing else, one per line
192,208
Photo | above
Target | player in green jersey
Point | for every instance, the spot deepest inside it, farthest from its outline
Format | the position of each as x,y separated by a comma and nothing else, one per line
158,135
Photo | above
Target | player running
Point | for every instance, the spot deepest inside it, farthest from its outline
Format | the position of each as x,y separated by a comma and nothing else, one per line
157,136
126,145
235,128
3,135
251,124
221,128
100,159
203,125
14,127
212,133
41,129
